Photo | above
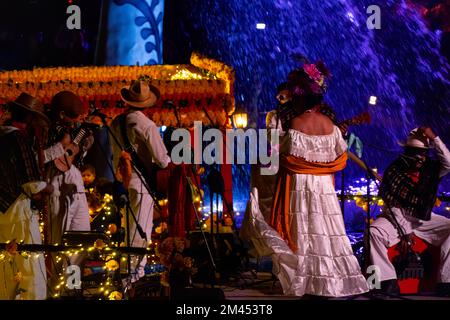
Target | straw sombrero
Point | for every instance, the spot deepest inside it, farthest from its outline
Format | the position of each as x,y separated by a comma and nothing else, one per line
416,139
140,94
29,103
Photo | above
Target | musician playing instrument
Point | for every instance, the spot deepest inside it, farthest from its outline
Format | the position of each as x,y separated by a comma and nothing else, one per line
134,128
68,207
409,188
22,190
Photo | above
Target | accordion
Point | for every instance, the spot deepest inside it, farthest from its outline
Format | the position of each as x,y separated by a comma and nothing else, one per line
408,267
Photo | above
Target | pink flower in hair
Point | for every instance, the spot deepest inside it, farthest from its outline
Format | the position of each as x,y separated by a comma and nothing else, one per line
313,72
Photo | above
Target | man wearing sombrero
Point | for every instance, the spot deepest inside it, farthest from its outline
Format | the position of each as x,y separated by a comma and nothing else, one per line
409,188
134,128
22,194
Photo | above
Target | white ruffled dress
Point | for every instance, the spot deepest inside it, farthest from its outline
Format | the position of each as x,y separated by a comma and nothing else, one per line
22,273
324,263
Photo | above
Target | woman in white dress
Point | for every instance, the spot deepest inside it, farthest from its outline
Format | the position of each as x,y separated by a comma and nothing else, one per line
306,236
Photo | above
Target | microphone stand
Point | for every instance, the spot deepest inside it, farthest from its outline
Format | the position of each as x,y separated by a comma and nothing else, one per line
172,106
122,192
370,175
208,249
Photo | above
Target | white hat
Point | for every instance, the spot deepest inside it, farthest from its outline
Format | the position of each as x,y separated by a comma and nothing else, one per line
416,139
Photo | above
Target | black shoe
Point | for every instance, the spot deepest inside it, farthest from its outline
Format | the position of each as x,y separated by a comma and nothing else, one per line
390,287
443,289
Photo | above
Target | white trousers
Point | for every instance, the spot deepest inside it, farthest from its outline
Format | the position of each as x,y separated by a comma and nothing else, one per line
141,203
68,211
383,234
68,207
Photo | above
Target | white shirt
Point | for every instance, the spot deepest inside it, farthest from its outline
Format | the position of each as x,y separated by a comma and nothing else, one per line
144,136
444,156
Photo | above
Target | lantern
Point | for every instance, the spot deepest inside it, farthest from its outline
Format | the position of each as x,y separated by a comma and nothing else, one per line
373,100
240,119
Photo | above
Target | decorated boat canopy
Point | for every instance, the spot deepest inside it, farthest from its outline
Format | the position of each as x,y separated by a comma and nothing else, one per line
200,91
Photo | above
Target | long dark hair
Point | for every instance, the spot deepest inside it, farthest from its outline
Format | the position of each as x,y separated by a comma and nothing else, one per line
306,85
302,98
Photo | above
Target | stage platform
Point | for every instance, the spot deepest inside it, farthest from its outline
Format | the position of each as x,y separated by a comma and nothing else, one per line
265,288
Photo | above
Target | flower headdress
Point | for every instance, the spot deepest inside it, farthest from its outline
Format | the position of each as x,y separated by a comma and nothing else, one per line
310,78
306,86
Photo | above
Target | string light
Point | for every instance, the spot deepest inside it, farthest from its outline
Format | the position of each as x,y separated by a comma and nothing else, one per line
106,287
185,74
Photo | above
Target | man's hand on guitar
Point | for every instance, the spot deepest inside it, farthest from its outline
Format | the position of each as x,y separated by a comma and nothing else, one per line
68,145
72,148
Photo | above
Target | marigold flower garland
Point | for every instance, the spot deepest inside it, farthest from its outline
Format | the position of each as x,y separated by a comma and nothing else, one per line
207,84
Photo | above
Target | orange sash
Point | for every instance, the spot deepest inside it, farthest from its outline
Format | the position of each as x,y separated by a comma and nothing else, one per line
290,165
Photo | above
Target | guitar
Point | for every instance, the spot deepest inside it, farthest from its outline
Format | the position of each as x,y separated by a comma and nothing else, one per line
362,118
362,164
64,162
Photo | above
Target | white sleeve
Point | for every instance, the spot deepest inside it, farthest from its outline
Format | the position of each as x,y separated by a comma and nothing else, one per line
341,144
444,156
156,146
53,152
33,187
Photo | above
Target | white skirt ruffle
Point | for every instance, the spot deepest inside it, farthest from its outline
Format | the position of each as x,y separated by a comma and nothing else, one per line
324,264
